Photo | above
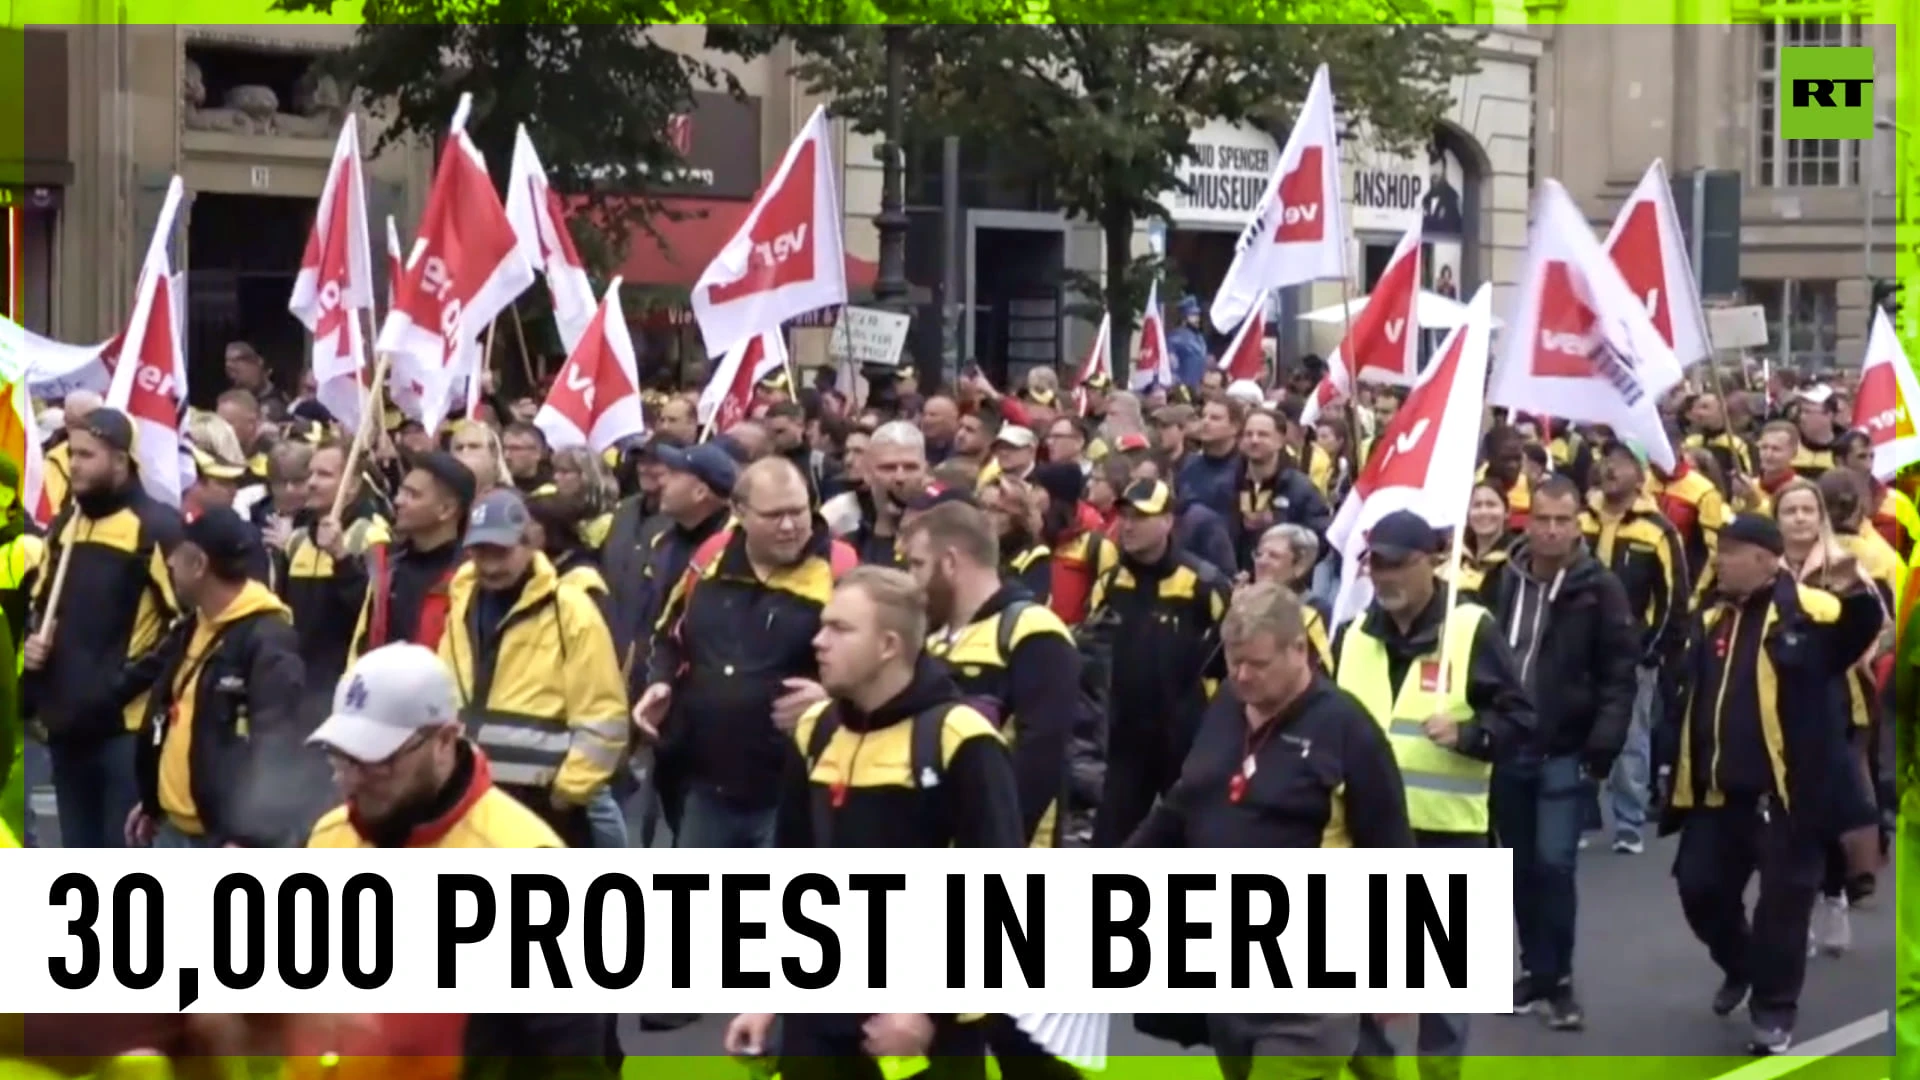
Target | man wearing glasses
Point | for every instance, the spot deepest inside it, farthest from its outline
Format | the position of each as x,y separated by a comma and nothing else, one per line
410,779
1445,686
732,665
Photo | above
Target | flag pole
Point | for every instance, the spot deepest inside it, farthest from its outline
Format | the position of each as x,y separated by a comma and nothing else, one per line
526,357
358,448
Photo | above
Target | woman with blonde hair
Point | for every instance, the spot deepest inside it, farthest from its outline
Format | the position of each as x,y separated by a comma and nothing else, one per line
582,475
477,445
1818,558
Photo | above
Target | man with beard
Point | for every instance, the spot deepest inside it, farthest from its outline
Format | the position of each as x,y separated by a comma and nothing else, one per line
1155,622
1013,659
409,778
1445,686
117,604
896,470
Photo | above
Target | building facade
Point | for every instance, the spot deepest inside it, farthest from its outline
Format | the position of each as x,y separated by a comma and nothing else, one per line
1817,216
1467,185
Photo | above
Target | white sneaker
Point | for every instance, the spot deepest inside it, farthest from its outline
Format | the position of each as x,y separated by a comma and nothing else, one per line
1836,927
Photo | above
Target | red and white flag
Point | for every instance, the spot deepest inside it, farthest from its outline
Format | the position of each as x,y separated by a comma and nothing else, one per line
1383,342
396,261
1299,231
595,400
150,377
1098,362
1884,405
728,397
541,224
788,257
1580,346
335,282
1651,253
1245,357
1153,365
1423,459
466,267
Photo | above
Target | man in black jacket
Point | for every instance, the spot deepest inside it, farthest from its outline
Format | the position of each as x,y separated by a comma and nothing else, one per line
1575,639
220,756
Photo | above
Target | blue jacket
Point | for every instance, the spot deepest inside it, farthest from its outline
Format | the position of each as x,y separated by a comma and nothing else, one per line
1203,534
1189,349
1211,482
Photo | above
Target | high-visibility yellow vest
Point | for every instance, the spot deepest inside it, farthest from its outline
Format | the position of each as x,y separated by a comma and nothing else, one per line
1446,792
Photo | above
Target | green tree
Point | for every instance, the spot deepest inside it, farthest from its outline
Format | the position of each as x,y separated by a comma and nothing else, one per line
594,88
1100,115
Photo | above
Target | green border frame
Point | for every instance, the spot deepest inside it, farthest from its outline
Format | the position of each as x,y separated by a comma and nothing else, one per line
1561,12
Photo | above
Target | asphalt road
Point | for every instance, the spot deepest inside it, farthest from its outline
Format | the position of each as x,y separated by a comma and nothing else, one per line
1643,979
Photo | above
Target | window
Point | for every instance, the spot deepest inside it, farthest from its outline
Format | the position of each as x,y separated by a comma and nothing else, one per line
1800,162
1803,326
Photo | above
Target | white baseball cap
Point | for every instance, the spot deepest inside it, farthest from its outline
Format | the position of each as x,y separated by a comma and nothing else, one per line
1247,391
388,696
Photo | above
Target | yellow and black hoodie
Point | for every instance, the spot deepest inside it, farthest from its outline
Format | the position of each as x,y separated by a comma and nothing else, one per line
117,604
1017,664
925,770
223,727
1646,553
1757,716
327,595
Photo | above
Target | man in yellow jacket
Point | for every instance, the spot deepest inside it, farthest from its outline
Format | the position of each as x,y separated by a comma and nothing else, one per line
541,689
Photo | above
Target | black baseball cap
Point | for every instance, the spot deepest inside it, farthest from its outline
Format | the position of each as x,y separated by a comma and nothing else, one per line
1400,536
1758,530
1149,497
226,538
111,427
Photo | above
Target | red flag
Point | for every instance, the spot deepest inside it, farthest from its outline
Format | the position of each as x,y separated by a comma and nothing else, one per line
1423,459
1383,341
1153,366
541,224
729,393
595,400
787,259
336,282
1246,356
1298,232
466,267
150,382
1651,252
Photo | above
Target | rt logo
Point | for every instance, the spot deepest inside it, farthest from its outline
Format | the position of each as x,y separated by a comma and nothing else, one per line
1826,93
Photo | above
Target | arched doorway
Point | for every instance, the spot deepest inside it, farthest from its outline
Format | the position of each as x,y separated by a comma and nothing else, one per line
1450,206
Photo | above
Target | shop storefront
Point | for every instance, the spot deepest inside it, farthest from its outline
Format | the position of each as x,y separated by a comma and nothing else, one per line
1227,176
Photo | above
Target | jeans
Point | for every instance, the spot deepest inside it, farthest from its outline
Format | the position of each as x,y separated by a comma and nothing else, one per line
607,818
711,820
1627,788
1538,811
168,838
94,789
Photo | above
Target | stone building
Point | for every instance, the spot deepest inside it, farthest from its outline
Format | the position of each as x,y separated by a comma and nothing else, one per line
1817,216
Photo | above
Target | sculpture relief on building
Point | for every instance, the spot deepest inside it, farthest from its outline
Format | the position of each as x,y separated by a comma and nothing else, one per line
318,106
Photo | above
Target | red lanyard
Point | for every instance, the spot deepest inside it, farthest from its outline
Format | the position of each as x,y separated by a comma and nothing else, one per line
1249,749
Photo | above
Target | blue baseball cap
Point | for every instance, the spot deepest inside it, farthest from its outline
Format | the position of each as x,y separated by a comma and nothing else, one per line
708,463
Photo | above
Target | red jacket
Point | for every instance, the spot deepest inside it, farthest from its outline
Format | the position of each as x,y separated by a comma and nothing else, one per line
1077,560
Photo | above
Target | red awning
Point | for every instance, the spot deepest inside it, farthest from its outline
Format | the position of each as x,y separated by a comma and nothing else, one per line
686,246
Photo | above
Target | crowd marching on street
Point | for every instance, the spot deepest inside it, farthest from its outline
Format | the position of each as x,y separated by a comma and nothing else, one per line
1208,610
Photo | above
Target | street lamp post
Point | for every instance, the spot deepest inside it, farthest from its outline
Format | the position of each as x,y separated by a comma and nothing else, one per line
1899,131
890,286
